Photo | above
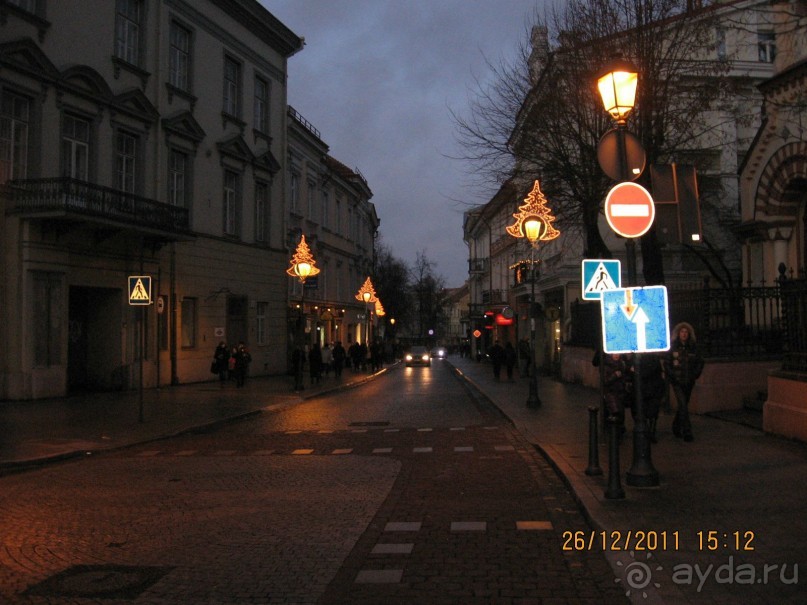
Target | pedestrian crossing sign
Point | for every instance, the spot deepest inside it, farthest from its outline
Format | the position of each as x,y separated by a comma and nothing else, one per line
139,289
600,275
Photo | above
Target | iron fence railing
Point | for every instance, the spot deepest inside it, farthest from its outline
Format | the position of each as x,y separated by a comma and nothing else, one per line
79,197
750,322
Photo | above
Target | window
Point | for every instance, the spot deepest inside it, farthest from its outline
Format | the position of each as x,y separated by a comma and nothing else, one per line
14,118
232,193
177,178
26,5
126,151
294,191
312,201
75,148
232,87
47,318
261,105
260,321
179,57
720,43
127,30
767,47
261,205
338,216
188,322
326,202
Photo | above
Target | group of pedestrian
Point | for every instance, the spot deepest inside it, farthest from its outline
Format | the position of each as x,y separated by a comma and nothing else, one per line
503,356
231,363
681,366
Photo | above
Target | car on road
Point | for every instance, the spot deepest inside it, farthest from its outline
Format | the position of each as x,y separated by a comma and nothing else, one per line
417,356
439,353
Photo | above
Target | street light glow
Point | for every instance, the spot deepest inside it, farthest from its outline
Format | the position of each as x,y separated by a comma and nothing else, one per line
618,90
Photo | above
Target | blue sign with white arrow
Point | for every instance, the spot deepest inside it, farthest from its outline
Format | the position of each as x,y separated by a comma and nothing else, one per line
635,320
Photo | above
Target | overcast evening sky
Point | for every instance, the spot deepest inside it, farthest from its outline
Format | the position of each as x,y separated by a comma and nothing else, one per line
378,79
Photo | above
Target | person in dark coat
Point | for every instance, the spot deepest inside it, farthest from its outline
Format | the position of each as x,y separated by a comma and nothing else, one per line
242,361
653,386
338,355
617,386
510,358
221,359
315,363
496,354
683,365
297,364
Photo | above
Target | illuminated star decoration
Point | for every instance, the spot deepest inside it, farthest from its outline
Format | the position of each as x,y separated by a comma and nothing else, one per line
535,205
367,287
302,263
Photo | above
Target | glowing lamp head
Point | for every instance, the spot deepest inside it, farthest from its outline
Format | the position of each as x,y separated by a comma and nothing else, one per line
532,227
618,89
302,270
366,296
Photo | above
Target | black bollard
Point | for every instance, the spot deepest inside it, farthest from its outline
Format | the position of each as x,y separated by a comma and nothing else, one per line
593,446
614,490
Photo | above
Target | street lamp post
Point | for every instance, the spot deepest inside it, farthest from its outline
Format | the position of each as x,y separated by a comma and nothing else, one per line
533,222
617,86
302,266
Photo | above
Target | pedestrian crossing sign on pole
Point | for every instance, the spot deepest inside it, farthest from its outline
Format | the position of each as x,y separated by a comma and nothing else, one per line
139,289
635,320
600,275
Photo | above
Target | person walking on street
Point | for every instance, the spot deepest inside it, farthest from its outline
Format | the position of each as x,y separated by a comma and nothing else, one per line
242,361
354,351
315,364
617,386
297,365
327,359
496,354
338,355
683,365
221,358
653,385
510,358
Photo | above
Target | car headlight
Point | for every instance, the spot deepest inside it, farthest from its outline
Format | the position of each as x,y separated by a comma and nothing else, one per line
408,357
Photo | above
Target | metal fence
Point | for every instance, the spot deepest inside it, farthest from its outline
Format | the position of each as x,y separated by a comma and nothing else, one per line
750,322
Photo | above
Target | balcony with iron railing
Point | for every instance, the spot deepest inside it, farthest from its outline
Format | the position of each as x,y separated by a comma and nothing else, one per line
56,198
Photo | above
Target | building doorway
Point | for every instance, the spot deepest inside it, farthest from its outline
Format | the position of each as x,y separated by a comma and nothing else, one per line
237,312
94,339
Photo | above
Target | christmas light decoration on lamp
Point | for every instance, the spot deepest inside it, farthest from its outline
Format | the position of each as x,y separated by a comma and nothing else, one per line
534,222
534,218
302,263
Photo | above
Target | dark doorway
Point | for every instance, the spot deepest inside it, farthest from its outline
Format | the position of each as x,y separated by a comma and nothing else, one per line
93,350
237,311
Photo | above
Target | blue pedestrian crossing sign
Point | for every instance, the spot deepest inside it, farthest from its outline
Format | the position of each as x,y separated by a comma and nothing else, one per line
635,320
139,289
600,275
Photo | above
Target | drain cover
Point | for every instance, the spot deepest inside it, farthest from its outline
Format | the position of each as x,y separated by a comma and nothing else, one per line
100,581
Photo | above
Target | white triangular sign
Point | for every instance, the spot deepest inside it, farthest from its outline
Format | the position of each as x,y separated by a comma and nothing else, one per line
600,281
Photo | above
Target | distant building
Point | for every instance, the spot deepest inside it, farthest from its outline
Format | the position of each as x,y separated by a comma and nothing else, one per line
330,204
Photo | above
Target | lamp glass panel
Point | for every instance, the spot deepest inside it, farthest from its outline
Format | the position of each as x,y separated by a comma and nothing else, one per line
532,229
618,92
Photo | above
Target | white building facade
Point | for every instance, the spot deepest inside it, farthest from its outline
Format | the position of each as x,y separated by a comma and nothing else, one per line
148,138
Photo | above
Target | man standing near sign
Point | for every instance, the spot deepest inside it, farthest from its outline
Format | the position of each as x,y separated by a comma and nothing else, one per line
684,366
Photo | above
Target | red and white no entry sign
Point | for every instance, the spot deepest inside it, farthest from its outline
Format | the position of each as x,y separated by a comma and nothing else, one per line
629,209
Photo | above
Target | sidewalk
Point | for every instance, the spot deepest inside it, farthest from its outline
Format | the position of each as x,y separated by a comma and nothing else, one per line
731,479
36,432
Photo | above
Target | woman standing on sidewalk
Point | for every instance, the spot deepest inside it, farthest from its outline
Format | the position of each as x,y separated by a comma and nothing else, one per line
683,366
221,358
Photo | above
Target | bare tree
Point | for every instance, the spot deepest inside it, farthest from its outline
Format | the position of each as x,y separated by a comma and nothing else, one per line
559,121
